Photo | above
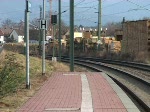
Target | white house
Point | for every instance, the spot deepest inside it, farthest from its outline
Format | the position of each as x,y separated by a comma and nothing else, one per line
48,38
1,37
17,35
78,35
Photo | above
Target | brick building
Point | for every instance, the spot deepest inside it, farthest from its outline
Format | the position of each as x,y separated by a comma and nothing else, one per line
136,37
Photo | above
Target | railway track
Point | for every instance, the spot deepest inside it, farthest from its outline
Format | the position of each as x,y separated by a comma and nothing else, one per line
139,66
136,87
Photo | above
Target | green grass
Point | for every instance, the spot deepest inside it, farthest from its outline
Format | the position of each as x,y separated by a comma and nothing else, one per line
11,75
13,78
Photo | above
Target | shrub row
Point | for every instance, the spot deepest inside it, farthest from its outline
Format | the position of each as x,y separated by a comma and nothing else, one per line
19,48
11,75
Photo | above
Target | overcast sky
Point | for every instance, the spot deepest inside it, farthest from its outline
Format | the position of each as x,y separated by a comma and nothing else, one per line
112,10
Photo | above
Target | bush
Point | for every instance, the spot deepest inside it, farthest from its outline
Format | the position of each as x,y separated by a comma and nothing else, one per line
10,75
142,57
19,48
127,57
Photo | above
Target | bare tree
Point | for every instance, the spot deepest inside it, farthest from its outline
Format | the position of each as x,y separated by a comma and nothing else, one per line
145,18
111,27
8,23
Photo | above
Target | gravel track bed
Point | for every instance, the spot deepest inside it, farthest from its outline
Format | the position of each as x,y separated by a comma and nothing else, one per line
138,88
142,74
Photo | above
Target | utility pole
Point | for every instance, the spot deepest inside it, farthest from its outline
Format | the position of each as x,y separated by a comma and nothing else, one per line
72,35
27,12
99,21
54,22
54,41
50,31
40,37
59,30
43,40
25,29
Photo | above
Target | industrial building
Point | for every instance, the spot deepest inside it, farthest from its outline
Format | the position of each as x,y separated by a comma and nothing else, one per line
136,37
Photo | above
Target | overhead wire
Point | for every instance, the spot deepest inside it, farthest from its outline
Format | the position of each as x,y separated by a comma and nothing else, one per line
79,3
38,6
138,5
90,2
91,7
114,4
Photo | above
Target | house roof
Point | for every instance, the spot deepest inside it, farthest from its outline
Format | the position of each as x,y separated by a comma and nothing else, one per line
1,33
6,30
19,32
67,33
137,21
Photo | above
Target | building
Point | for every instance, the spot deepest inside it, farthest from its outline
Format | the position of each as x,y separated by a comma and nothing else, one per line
136,37
78,36
6,31
17,36
11,34
87,34
1,37
118,34
114,47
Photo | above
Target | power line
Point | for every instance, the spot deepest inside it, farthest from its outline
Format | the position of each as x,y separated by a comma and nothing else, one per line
123,12
117,13
79,3
90,2
83,11
88,8
114,4
74,5
138,5
16,10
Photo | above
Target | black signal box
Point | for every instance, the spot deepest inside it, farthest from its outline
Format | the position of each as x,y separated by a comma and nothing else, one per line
53,19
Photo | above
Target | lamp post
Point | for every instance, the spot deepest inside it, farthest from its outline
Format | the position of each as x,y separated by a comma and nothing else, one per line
43,45
54,22
99,21
54,30
60,30
27,12
40,31
72,35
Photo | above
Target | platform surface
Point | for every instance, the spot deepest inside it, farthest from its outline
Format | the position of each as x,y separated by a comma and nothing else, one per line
79,92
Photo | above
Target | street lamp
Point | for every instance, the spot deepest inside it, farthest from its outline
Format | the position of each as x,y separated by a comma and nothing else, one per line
99,20
72,35
27,12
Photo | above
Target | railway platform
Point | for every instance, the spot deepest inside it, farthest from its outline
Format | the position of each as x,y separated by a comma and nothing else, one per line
79,92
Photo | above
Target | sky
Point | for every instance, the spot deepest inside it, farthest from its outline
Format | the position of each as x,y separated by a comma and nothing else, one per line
85,10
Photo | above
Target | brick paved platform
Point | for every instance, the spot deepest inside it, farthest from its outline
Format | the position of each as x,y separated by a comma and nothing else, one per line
79,92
